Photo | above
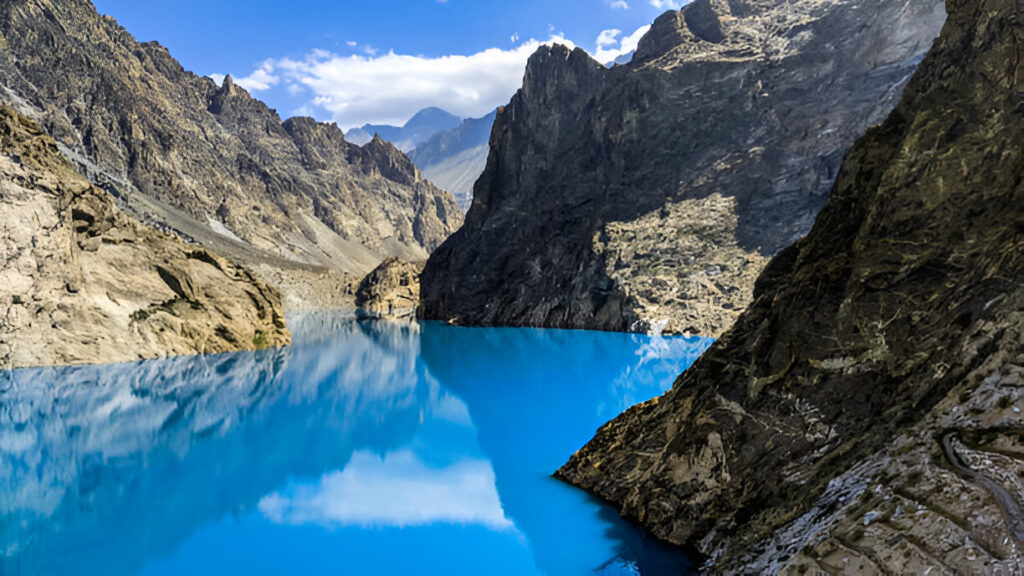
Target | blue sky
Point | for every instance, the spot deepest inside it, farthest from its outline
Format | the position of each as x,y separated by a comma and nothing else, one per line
378,60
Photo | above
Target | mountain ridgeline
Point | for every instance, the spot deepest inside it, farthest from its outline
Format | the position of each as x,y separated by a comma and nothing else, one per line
649,196
420,128
453,160
863,416
210,162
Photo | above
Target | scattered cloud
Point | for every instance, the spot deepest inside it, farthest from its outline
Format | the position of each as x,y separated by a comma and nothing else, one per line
666,4
218,78
620,4
262,78
390,88
610,46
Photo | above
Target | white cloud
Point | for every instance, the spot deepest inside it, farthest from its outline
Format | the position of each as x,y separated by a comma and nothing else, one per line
608,38
218,78
666,4
262,78
390,88
621,4
397,491
609,47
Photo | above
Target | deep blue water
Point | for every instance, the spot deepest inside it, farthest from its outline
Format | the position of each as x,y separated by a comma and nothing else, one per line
366,448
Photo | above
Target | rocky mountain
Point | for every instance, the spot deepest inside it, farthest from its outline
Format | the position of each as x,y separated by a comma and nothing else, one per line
863,416
81,282
420,128
651,195
210,162
453,160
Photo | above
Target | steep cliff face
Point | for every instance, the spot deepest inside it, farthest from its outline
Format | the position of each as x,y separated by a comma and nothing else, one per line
864,413
83,283
652,194
210,162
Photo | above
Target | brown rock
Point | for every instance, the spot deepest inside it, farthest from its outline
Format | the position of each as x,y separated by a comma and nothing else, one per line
82,282
392,290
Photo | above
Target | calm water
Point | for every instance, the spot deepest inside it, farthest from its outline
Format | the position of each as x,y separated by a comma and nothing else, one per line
367,448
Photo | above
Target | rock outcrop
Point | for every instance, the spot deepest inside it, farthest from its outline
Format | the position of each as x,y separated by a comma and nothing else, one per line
392,290
81,282
209,162
651,195
864,415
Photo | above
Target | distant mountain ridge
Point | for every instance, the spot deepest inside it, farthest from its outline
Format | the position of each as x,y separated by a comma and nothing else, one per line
210,162
420,128
453,160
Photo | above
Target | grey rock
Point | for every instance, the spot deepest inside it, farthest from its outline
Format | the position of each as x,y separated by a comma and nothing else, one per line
608,191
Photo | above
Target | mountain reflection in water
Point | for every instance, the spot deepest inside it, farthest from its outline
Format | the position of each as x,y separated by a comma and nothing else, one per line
367,447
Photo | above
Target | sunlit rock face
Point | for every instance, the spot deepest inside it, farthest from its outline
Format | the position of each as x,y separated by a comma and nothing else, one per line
654,193
210,162
81,282
864,414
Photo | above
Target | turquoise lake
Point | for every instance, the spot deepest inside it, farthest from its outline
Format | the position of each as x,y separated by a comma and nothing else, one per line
365,448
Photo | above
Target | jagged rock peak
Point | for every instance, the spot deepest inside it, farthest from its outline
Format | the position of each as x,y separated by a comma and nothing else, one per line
180,149
652,194
556,67
390,162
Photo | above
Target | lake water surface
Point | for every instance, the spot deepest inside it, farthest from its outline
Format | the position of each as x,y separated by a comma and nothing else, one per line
366,448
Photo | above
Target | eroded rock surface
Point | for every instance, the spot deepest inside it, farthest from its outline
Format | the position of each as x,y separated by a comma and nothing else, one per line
392,290
652,194
863,416
83,283
208,162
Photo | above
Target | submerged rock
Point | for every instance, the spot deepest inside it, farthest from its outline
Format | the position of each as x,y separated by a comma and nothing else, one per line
609,193
815,434
392,290
81,282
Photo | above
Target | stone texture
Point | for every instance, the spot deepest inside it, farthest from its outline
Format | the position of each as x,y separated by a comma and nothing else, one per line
81,282
208,162
392,290
730,123
863,416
